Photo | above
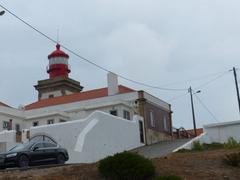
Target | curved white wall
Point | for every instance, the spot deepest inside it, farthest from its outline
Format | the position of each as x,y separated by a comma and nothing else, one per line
95,137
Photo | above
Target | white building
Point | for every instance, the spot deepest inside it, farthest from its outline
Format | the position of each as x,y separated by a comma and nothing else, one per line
62,99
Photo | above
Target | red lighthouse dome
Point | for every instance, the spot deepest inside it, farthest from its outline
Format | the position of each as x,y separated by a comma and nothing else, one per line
58,63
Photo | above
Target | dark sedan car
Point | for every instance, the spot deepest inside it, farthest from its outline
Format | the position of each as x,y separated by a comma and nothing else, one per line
33,153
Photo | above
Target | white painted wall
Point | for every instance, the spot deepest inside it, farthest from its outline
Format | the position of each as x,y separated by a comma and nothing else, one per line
15,120
12,111
86,104
70,111
91,139
7,140
7,113
216,133
220,132
54,93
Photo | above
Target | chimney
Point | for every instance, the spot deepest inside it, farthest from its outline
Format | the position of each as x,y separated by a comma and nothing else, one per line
112,84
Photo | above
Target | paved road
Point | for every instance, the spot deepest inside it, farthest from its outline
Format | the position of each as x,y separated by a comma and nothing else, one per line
160,149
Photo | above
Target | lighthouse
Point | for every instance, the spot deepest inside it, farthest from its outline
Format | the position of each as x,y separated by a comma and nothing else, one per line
58,63
58,83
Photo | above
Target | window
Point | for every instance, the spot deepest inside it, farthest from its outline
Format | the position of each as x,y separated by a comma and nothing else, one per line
50,121
48,140
38,145
6,125
126,114
113,112
62,120
165,123
35,123
36,138
49,145
51,96
152,119
44,138
17,127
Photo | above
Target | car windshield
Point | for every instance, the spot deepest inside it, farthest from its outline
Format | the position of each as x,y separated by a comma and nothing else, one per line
20,147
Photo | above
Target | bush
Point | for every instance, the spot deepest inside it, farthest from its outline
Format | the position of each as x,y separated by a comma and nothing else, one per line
233,159
197,146
213,146
126,166
232,143
172,177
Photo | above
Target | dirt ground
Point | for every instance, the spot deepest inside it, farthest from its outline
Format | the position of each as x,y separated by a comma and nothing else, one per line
194,165
198,165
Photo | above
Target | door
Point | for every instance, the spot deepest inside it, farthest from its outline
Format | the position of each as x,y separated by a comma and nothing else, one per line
141,131
50,151
37,153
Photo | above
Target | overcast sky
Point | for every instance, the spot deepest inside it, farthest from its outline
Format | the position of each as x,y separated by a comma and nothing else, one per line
166,43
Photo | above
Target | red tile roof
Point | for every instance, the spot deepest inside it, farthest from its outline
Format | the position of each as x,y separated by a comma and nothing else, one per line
92,94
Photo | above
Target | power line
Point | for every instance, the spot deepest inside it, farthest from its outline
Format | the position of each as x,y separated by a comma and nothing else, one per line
206,83
206,108
212,80
177,97
87,60
195,79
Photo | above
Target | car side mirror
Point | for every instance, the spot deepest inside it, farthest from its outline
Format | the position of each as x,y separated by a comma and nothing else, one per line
35,148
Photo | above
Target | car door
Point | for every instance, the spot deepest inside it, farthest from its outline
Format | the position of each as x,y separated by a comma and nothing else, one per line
37,153
50,151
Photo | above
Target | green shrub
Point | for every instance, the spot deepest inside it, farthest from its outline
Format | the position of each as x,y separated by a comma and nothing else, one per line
232,143
233,159
197,146
172,177
213,146
126,166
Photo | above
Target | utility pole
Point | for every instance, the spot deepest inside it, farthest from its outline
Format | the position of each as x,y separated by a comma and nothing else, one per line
236,83
193,114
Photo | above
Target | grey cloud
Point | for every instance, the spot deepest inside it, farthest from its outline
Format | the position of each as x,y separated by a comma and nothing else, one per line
153,41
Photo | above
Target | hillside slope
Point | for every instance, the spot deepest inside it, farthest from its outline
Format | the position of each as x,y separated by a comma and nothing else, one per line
195,165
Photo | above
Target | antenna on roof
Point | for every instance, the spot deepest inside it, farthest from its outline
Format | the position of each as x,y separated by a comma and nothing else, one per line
58,36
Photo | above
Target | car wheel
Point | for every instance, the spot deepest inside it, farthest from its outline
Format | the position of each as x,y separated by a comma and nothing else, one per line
60,159
23,161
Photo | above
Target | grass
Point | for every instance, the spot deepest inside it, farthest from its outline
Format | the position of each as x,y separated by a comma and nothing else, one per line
232,143
197,146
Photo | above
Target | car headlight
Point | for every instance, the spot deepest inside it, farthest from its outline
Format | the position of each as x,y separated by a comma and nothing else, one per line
11,155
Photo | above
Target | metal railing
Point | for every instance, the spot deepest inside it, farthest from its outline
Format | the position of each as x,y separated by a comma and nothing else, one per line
182,133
